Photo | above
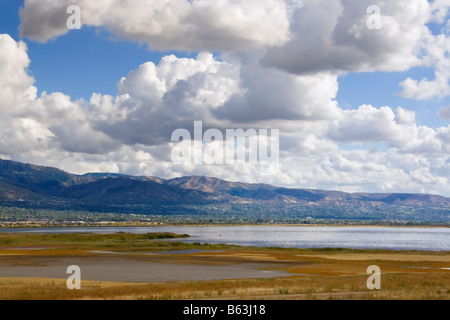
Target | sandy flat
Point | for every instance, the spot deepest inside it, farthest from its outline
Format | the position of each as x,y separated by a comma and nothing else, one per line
122,269
385,257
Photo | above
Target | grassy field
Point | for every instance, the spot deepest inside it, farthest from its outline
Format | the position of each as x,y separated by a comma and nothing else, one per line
316,273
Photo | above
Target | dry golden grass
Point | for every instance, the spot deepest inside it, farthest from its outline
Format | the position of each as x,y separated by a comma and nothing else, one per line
394,286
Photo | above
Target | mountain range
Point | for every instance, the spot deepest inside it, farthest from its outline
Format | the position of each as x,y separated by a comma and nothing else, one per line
33,186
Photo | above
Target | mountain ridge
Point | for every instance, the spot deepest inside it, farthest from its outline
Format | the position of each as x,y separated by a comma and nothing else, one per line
31,185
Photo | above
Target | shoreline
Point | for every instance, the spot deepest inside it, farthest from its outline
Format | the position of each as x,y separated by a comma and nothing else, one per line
147,232
151,225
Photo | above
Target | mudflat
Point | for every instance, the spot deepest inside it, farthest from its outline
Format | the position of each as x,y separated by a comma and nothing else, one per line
128,269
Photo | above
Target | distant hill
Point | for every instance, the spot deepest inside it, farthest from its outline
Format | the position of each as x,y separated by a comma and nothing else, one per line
28,185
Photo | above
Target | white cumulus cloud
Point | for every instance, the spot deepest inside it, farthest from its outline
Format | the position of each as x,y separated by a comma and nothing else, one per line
168,24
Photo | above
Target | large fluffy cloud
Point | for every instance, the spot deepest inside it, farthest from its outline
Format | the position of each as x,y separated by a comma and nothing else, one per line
154,100
272,94
437,56
16,86
168,24
395,130
301,37
333,35
44,123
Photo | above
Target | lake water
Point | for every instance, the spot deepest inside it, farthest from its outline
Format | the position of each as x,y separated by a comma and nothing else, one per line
395,238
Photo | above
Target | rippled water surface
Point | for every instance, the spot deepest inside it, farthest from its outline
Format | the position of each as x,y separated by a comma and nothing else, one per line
288,236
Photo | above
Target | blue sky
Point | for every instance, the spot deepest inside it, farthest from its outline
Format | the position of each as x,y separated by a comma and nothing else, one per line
382,89
244,80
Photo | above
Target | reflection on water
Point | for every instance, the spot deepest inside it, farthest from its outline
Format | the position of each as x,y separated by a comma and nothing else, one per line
300,237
